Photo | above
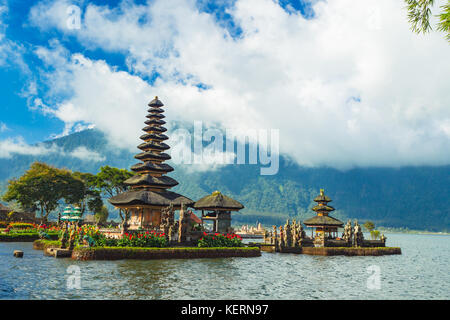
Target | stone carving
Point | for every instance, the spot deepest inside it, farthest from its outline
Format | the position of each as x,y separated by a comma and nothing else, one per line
358,235
281,243
167,219
72,235
301,234
294,242
347,235
64,237
287,234
183,224
274,237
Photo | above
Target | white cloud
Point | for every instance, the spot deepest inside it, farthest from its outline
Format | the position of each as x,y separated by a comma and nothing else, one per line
85,154
12,146
17,146
3,127
351,87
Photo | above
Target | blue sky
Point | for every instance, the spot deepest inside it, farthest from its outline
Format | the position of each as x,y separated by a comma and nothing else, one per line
33,125
350,79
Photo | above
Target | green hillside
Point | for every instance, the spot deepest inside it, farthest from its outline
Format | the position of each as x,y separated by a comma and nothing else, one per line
412,197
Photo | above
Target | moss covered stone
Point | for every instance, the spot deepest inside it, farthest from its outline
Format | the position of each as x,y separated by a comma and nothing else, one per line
118,253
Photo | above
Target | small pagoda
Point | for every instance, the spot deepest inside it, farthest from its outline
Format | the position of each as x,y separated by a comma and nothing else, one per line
326,227
219,207
148,193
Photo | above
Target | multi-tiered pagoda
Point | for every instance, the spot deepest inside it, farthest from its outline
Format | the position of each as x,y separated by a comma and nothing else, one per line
148,194
325,225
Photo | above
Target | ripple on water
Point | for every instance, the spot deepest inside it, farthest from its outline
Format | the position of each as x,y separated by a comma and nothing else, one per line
421,272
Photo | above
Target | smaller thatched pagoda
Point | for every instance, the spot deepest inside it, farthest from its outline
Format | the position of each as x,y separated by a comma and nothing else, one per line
219,207
325,225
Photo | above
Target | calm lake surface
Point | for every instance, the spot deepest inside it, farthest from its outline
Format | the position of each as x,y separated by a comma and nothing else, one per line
421,272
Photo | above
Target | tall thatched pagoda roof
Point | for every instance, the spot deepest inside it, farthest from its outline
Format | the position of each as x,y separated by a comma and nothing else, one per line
149,186
218,201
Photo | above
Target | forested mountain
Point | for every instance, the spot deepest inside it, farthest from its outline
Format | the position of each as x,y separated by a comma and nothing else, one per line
412,197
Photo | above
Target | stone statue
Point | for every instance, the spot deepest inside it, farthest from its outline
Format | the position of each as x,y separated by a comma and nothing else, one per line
266,236
274,237
64,237
183,224
300,234
72,235
347,235
287,234
294,242
282,244
358,235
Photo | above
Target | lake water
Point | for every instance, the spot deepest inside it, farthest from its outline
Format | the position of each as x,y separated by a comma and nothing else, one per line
421,272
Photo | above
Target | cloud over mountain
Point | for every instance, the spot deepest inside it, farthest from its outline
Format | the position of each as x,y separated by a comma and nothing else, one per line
351,86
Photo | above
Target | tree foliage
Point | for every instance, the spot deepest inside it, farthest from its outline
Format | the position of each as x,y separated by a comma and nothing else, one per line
369,225
110,181
101,216
42,186
419,12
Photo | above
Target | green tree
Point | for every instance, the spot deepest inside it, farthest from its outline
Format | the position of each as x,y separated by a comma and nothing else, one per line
374,234
87,196
101,216
42,186
369,225
419,12
110,181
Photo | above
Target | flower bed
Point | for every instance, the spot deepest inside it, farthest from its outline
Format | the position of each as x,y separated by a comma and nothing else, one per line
117,253
220,240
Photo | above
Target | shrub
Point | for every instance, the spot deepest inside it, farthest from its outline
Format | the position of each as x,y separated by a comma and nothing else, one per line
220,240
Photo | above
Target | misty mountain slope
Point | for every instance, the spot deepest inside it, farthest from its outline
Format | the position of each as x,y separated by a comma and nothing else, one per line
413,197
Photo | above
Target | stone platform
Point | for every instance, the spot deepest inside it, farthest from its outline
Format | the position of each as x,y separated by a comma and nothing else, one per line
115,253
334,251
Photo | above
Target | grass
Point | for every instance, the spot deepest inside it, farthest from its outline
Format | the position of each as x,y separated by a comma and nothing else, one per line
23,237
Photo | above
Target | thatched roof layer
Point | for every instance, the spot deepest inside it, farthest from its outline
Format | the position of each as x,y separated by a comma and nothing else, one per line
154,128
153,145
146,197
152,156
155,121
323,221
155,103
155,116
218,201
323,208
149,166
154,136
149,180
